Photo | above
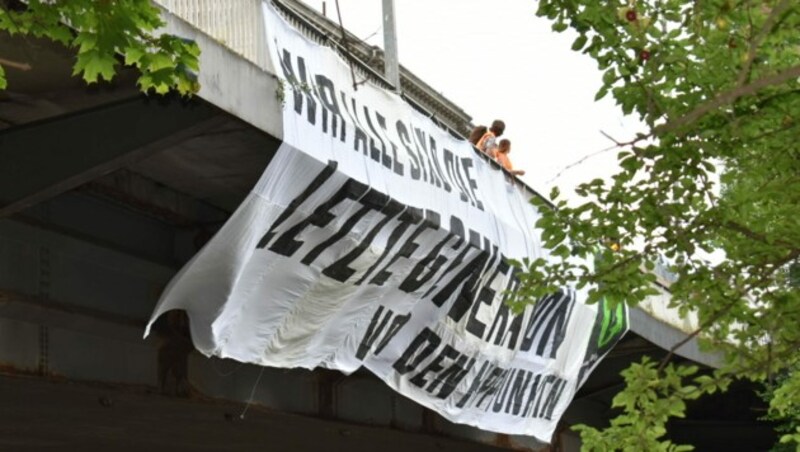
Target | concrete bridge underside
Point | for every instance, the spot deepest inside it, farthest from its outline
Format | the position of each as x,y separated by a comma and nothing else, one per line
104,195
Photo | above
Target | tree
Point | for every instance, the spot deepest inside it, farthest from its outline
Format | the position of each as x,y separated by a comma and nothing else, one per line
106,34
712,185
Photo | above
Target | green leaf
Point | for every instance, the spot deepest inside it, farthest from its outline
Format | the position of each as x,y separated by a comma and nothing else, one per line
609,76
579,43
85,42
3,81
133,55
94,65
61,34
160,61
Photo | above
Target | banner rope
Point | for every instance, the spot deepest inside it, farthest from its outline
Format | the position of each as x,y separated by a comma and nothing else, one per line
252,393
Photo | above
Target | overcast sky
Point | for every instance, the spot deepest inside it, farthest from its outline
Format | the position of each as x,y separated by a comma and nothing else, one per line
497,60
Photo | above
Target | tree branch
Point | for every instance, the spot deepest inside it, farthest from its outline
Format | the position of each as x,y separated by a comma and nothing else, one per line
756,40
617,145
728,97
15,64
694,333
753,235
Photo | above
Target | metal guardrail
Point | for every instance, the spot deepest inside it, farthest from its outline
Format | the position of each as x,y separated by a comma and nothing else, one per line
237,24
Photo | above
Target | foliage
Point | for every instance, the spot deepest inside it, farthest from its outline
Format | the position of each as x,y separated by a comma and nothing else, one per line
784,408
712,184
105,33
649,399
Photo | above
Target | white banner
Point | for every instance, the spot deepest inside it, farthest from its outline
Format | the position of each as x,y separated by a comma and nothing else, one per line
376,239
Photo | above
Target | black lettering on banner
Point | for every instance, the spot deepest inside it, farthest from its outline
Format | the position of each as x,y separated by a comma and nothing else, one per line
420,349
360,135
427,268
378,327
431,221
361,138
550,392
456,230
371,137
315,184
548,323
485,296
453,174
521,382
289,75
327,97
437,166
473,272
340,269
501,396
422,149
467,163
435,366
490,386
373,200
436,175
397,166
484,372
552,399
474,245
287,244
501,319
375,152
405,140
432,263
451,377
412,215
534,391
311,109
466,279
544,389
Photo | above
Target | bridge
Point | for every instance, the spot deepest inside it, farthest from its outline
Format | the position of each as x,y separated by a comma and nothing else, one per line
105,194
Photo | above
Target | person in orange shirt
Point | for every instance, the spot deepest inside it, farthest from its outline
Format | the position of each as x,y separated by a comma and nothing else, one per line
488,142
502,157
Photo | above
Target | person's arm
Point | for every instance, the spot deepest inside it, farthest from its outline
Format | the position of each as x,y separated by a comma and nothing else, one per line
506,162
482,142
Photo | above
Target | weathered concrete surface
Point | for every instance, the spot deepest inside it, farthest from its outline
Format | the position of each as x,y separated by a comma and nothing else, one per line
233,83
37,415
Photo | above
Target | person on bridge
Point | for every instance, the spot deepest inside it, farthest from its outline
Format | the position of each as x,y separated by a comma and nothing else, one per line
476,135
502,157
488,142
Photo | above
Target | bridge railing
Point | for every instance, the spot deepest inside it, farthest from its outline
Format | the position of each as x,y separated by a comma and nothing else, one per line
237,24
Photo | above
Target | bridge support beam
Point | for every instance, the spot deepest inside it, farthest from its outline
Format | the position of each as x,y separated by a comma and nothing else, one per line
44,159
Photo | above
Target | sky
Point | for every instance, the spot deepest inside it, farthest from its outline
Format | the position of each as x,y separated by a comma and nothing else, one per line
497,60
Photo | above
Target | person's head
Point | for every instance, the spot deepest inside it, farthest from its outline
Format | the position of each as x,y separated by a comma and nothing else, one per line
476,134
498,127
504,146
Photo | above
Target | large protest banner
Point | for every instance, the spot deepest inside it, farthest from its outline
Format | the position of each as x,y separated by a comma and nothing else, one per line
376,239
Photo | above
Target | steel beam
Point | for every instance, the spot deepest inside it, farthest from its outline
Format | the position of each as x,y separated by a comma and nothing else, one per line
44,159
666,336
